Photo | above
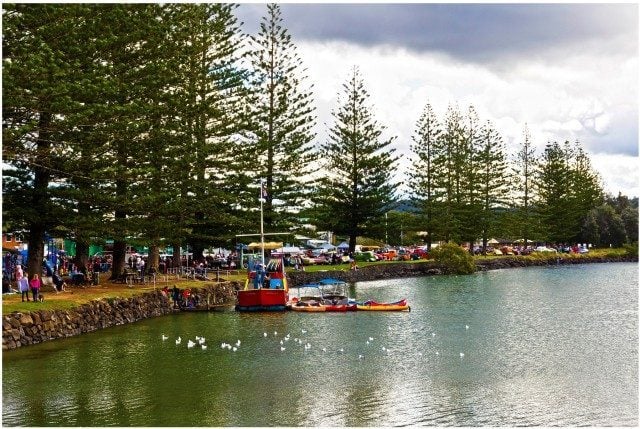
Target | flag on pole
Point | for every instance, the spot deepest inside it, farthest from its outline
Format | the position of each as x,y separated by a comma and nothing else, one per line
263,191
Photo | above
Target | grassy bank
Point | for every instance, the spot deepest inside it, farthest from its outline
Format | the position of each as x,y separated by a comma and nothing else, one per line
76,296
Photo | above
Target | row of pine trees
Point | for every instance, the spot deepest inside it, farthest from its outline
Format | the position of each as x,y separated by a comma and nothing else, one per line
153,124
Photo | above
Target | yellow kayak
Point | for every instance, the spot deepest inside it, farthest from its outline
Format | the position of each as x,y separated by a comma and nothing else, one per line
386,306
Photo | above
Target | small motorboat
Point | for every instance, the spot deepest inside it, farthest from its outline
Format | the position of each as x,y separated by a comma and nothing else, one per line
308,299
308,306
371,305
335,295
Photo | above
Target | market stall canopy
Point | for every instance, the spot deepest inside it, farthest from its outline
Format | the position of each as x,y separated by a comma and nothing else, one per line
493,241
288,249
328,246
268,245
343,245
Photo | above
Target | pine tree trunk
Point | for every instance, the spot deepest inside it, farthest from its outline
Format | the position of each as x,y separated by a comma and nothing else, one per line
177,260
36,249
82,252
37,226
119,253
352,243
154,257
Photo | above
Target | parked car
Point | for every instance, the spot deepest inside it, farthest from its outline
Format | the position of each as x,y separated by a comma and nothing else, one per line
544,249
367,256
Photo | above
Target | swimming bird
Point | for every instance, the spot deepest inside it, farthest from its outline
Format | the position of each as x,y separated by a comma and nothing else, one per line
370,338
360,356
367,342
203,347
420,354
238,343
201,340
164,337
304,332
275,332
433,334
341,350
234,349
437,353
466,326
265,334
281,342
384,348
223,345
282,349
324,349
197,338
179,340
461,355
190,344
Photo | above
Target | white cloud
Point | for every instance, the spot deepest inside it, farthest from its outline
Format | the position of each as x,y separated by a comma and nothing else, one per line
592,99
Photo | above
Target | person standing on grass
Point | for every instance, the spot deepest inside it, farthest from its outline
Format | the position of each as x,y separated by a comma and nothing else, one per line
35,285
23,287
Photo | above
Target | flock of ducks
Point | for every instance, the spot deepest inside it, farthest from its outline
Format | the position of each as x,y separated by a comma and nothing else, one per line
307,346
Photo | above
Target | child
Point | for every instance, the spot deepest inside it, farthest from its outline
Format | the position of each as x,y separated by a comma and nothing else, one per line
35,283
23,287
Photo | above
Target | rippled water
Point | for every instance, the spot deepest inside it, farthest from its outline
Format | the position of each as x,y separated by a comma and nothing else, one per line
544,346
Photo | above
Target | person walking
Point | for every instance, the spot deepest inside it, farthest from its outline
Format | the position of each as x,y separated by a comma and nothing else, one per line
35,285
23,287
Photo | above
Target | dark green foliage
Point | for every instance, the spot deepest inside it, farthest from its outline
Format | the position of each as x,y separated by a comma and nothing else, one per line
281,120
453,259
567,190
425,172
524,220
355,190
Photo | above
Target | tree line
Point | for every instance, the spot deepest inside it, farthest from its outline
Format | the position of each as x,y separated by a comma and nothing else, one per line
152,124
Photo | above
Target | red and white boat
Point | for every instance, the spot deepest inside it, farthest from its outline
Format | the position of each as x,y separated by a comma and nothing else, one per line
265,289
266,286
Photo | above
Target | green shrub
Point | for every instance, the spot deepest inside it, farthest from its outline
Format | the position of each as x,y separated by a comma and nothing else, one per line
453,259
631,250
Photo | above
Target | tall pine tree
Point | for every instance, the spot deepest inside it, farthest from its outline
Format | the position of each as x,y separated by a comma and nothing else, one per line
425,171
356,189
281,120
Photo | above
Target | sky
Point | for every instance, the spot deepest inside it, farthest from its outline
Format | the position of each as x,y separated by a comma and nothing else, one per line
567,71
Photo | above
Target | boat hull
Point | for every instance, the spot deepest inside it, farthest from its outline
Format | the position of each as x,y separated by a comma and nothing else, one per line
341,307
382,307
262,300
309,308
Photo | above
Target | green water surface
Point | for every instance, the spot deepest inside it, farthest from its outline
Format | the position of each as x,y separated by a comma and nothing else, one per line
537,346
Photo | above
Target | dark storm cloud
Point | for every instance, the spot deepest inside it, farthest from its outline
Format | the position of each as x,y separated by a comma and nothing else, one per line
476,32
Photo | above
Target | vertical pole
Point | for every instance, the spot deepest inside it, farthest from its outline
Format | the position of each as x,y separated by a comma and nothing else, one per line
262,221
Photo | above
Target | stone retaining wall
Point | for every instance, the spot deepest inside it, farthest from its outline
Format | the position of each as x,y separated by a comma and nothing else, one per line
406,269
22,329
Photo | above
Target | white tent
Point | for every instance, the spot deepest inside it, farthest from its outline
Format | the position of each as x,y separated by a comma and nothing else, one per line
294,250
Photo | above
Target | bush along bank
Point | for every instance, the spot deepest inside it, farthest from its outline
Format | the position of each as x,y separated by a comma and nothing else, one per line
23,329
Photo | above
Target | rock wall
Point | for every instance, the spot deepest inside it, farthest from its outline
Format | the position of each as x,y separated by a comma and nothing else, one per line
22,329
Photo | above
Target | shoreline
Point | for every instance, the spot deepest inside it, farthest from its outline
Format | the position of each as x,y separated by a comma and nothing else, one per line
420,269
20,329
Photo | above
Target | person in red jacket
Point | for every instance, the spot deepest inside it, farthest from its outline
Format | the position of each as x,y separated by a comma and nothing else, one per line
35,283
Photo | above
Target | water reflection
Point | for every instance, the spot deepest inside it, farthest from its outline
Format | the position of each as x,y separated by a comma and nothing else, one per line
543,347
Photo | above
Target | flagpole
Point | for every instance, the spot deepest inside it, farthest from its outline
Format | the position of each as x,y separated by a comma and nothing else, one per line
262,220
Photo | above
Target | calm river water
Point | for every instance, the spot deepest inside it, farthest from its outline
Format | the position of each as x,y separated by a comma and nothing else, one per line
520,347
